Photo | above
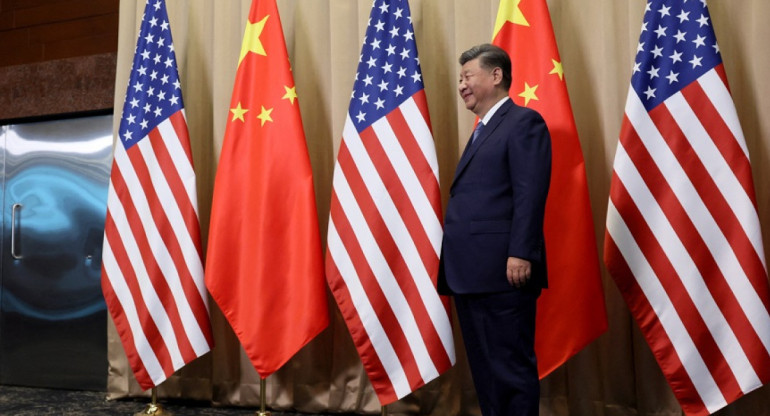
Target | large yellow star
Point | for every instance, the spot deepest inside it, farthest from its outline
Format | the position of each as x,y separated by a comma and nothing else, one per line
238,112
265,115
251,42
557,69
528,94
291,93
509,11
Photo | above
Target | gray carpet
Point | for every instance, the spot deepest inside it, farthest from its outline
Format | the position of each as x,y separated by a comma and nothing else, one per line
24,401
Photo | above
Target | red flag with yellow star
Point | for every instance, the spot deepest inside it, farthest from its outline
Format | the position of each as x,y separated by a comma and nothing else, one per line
571,312
265,266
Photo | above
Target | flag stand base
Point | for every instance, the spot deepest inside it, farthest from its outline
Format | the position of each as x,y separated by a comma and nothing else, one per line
154,409
262,389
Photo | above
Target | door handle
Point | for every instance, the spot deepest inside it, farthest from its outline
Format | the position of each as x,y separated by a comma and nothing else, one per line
13,231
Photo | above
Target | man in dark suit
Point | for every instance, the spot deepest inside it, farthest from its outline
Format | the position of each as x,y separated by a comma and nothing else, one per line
493,253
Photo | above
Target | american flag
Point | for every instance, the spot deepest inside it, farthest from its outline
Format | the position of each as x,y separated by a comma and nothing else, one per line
683,239
152,272
385,222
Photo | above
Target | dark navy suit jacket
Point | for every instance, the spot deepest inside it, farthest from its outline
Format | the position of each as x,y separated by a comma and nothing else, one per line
497,203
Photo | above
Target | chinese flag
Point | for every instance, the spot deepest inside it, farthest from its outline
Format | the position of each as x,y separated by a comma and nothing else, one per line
571,311
265,266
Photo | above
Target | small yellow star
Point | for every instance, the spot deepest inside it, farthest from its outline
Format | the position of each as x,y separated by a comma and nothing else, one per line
251,42
509,11
265,115
528,94
557,69
238,112
291,93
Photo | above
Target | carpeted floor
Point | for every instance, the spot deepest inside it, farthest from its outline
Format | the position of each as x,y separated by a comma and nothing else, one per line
24,401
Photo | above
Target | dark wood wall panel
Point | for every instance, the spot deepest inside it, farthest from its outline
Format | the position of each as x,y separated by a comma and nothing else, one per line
43,30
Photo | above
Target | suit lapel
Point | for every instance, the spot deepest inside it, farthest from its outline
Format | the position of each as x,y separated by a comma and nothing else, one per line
486,132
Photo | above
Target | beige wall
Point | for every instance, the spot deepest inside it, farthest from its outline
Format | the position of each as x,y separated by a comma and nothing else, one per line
615,375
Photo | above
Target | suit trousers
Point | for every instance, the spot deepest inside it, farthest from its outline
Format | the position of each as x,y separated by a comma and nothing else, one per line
499,334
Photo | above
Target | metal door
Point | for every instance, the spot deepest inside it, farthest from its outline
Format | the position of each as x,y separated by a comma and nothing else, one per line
52,313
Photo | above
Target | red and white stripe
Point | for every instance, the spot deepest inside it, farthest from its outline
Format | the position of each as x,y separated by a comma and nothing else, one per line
384,242
684,243
152,267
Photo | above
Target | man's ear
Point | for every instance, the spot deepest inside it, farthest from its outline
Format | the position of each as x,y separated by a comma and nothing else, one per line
497,73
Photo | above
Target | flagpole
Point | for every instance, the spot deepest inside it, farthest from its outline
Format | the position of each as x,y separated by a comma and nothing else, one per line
154,408
384,411
262,389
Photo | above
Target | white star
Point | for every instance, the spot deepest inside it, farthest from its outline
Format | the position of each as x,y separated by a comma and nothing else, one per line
161,42
164,80
650,93
401,72
177,85
134,103
679,36
147,108
171,47
640,47
657,52
169,62
672,77
695,61
161,95
404,53
703,21
394,32
397,13
150,91
647,7
158,111
145,54
699,41
379,103
380,25
131,119
408,35
368,80
399,90
154,22
142,70
653,72
371,62
154,75
156,58
661,31
391,50
174,100
375,44
636,67
138,87
364,98
703,1
417,77
361,116
157,6
143,124
664,11
644,27
127,135
384,8
676,57
716,48
383,86
164,25
149,38
683,16
387,68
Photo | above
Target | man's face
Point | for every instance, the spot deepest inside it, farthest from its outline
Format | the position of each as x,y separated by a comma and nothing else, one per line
477,87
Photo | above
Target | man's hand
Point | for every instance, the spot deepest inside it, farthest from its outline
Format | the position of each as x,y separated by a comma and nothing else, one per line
518,271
